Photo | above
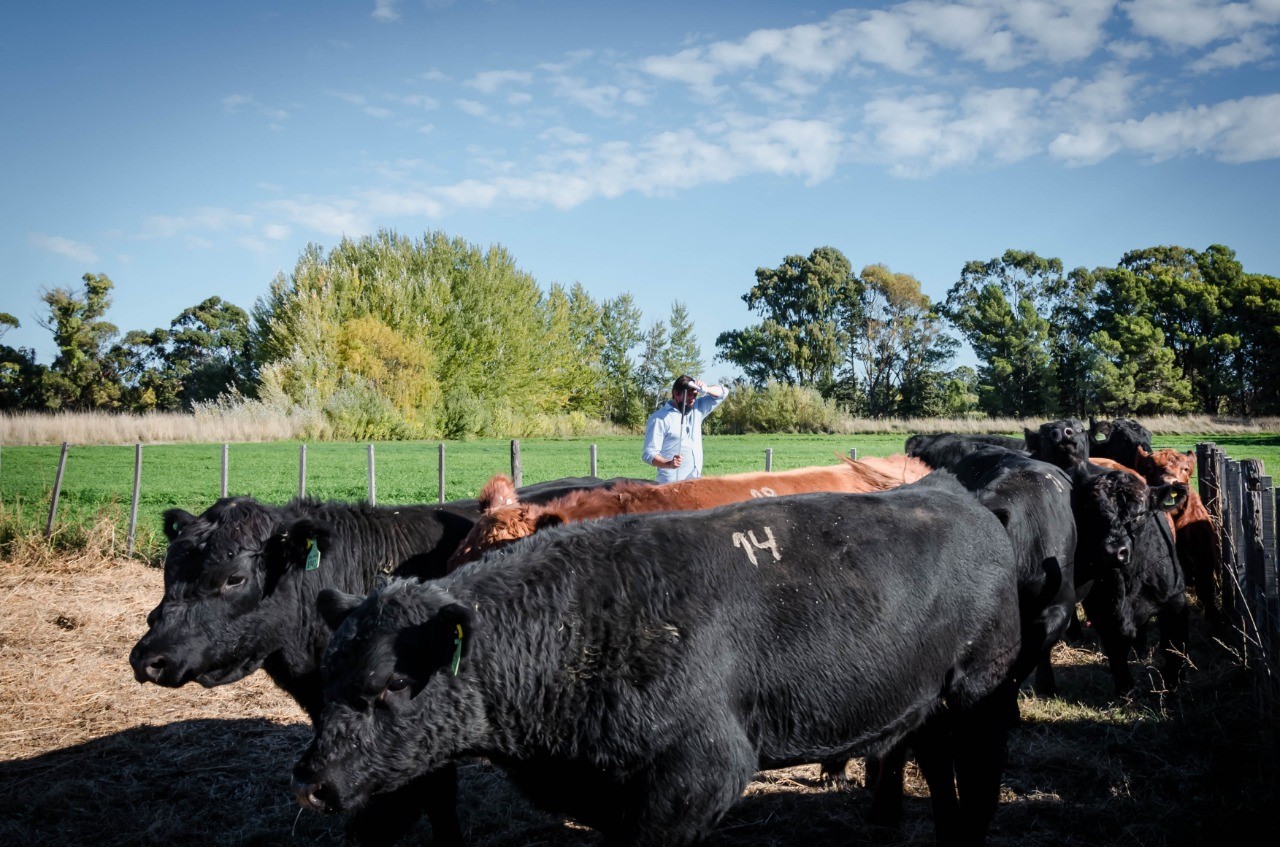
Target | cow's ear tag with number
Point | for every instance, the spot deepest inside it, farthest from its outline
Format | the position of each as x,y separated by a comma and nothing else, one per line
313,554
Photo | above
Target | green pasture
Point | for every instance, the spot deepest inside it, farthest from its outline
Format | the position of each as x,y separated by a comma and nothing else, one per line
99,480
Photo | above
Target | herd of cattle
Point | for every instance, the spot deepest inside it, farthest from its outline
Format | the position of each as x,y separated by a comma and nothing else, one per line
630,654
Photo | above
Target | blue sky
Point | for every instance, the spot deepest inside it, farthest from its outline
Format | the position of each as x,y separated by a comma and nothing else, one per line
662,148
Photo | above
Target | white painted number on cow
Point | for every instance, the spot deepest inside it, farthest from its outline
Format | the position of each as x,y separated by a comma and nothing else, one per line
749,544
763,492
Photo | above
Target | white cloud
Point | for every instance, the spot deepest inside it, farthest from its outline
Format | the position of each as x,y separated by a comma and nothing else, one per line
1251,47
205,219
488,82
377,112
334,217
1235,131
1198,23
472,108
564,135
921,134
386,11
63,246
236,102
276,232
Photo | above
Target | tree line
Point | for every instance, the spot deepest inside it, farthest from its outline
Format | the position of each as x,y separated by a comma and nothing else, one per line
393,337
1167,330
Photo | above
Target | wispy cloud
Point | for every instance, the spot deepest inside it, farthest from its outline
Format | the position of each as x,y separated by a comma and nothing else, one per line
488,82
386,10
202,220
1235,131
63,246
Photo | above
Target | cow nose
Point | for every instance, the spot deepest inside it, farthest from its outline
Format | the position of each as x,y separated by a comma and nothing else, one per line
1068,432
1122,555
310,794
149,667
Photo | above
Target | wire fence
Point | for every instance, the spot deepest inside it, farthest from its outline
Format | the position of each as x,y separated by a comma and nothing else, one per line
1242,500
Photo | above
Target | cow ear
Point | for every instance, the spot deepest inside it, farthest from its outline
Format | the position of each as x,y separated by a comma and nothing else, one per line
497,492
1166,497
441,644
334,606
1033,440
175,520
304,542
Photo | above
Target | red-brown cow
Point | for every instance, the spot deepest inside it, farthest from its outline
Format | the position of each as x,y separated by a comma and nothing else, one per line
1199,544
505,519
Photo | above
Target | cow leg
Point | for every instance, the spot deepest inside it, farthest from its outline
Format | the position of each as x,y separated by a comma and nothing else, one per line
686,791
388,817
1045,684
833,772
1173,639
935,754
981,742
886,777
1116,646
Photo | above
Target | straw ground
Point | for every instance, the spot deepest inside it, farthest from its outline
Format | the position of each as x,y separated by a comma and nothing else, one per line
89,757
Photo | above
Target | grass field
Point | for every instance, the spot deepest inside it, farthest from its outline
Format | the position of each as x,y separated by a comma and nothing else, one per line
98,480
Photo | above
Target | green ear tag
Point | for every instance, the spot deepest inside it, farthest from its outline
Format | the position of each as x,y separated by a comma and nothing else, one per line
313,556
457,651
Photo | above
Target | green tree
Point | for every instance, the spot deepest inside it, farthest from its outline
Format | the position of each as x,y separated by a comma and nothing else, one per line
1136,372
81,377
1073,356
1001,307
620,327
1253,313
800,340
683,354
20,376
652,374
1187,308
898,345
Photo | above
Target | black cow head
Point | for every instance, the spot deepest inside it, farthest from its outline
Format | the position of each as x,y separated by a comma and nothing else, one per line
396,695
1061,443
1110,510
224,610
1118,440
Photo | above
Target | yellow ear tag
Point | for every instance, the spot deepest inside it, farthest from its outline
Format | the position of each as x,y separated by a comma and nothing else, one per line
313,556
457,651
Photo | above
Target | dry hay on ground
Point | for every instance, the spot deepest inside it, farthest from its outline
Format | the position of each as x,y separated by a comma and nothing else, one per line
90,757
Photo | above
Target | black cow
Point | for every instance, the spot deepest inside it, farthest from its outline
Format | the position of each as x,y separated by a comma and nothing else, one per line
1118,440
241,581
1127,569
240,595
1032,500
943,450
634,673
1063,443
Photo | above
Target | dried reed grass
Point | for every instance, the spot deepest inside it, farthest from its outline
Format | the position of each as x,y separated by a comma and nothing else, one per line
89,757
256,422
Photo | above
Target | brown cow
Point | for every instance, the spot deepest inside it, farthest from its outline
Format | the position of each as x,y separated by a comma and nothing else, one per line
1199,544
505,519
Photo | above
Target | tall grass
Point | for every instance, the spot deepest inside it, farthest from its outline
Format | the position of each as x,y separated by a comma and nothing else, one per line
253,422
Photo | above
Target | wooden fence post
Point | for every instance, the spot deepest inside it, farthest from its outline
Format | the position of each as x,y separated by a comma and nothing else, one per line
373,487
224,471
595,470
853,453
1270,579
440,471
137,490
768,459
57,490
302,471
517,473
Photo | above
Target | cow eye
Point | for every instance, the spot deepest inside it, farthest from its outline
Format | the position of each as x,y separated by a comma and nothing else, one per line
395,686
